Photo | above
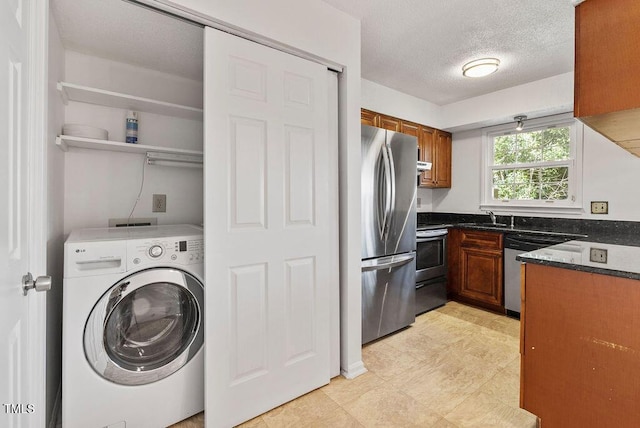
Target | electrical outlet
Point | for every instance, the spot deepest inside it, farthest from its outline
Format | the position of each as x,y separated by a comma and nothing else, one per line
418,202
598,255
599,207
159,204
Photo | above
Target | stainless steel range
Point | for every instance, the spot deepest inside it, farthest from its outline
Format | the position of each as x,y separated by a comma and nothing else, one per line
431,267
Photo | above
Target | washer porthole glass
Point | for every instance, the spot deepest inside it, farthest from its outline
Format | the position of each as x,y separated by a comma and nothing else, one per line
151,326
146,327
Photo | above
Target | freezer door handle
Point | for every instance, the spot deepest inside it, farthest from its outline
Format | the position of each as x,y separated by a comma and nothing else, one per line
387,262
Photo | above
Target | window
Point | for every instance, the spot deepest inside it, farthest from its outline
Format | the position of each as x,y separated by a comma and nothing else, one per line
536,169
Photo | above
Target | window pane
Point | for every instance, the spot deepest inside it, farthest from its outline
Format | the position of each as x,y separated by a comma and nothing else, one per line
502,184
528,147
531,183
504,150
555,144
546,145
526,191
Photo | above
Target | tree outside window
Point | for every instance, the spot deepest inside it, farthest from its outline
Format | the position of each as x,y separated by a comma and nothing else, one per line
532,165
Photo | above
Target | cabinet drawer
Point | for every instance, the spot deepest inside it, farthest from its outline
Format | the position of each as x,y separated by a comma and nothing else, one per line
479,239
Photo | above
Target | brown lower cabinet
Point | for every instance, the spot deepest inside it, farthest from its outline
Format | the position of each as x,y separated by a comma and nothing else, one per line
580,348
475,268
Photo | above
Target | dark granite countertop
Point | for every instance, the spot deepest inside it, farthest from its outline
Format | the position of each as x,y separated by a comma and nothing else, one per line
587,256
620,239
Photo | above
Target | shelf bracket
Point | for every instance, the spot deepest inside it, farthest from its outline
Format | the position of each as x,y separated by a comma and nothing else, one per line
63,93
62,144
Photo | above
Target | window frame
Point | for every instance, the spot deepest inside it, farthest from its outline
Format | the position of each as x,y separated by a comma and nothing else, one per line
573,203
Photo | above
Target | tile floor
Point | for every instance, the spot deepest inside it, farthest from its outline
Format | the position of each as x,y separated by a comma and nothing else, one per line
456,366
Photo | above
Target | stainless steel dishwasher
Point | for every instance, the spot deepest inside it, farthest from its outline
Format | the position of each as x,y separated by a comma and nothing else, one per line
515,244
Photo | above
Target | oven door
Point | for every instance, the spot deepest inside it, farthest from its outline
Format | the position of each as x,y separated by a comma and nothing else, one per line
431,257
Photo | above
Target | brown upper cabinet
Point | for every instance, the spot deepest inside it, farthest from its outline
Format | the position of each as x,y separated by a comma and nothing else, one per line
369,117
607,84
389,123
433,146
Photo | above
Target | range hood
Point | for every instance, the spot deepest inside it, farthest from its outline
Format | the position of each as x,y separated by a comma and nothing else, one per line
423,166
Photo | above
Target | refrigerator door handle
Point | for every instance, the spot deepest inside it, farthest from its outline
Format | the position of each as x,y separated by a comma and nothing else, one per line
387,193
392,196
387,262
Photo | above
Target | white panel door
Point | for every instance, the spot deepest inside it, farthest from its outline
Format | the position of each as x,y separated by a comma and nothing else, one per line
269,228
21,328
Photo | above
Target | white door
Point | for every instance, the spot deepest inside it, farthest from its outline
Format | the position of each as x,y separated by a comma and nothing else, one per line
22,372
269,231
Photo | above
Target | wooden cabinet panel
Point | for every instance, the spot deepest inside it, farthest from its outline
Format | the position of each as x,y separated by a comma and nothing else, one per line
480,239
481,272
410,128
426,143
607,57
368,117
435,147
580,348
606,81
475,268
389,123
442,170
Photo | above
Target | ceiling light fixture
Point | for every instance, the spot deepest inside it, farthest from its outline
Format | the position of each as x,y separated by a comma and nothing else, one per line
520,122
480,67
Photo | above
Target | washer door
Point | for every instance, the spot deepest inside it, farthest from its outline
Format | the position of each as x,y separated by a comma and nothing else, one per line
146,326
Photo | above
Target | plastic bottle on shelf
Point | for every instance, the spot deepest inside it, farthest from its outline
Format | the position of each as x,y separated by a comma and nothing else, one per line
132,127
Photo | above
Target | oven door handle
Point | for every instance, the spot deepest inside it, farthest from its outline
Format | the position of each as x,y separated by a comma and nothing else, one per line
387,262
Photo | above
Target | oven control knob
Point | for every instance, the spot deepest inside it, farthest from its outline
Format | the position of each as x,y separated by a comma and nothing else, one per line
156,251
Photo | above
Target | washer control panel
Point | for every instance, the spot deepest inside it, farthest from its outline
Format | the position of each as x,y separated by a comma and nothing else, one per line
181,250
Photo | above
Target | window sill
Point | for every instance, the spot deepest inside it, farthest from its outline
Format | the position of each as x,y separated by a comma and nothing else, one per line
511,207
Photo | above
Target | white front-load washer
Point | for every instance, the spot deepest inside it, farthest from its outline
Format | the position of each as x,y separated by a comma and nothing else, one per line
133,326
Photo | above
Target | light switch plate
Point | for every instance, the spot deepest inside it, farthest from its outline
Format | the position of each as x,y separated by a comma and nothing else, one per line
599,207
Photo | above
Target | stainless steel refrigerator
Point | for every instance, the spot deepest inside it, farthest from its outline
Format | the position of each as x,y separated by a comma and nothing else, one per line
388,231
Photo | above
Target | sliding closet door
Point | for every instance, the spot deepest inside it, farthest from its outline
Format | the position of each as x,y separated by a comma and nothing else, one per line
269,229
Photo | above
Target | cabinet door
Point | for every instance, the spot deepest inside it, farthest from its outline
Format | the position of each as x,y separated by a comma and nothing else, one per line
607,58
368,117
411,129
426,142
389,123
442,170
481,273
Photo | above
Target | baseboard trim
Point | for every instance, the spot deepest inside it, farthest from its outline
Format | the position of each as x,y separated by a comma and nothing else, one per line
57,405
354,370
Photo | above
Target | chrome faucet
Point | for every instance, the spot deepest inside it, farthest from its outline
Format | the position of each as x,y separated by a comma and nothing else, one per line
493,217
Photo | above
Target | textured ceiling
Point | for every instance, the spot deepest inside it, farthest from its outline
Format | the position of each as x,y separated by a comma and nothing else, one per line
419,46
117,30
414,46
